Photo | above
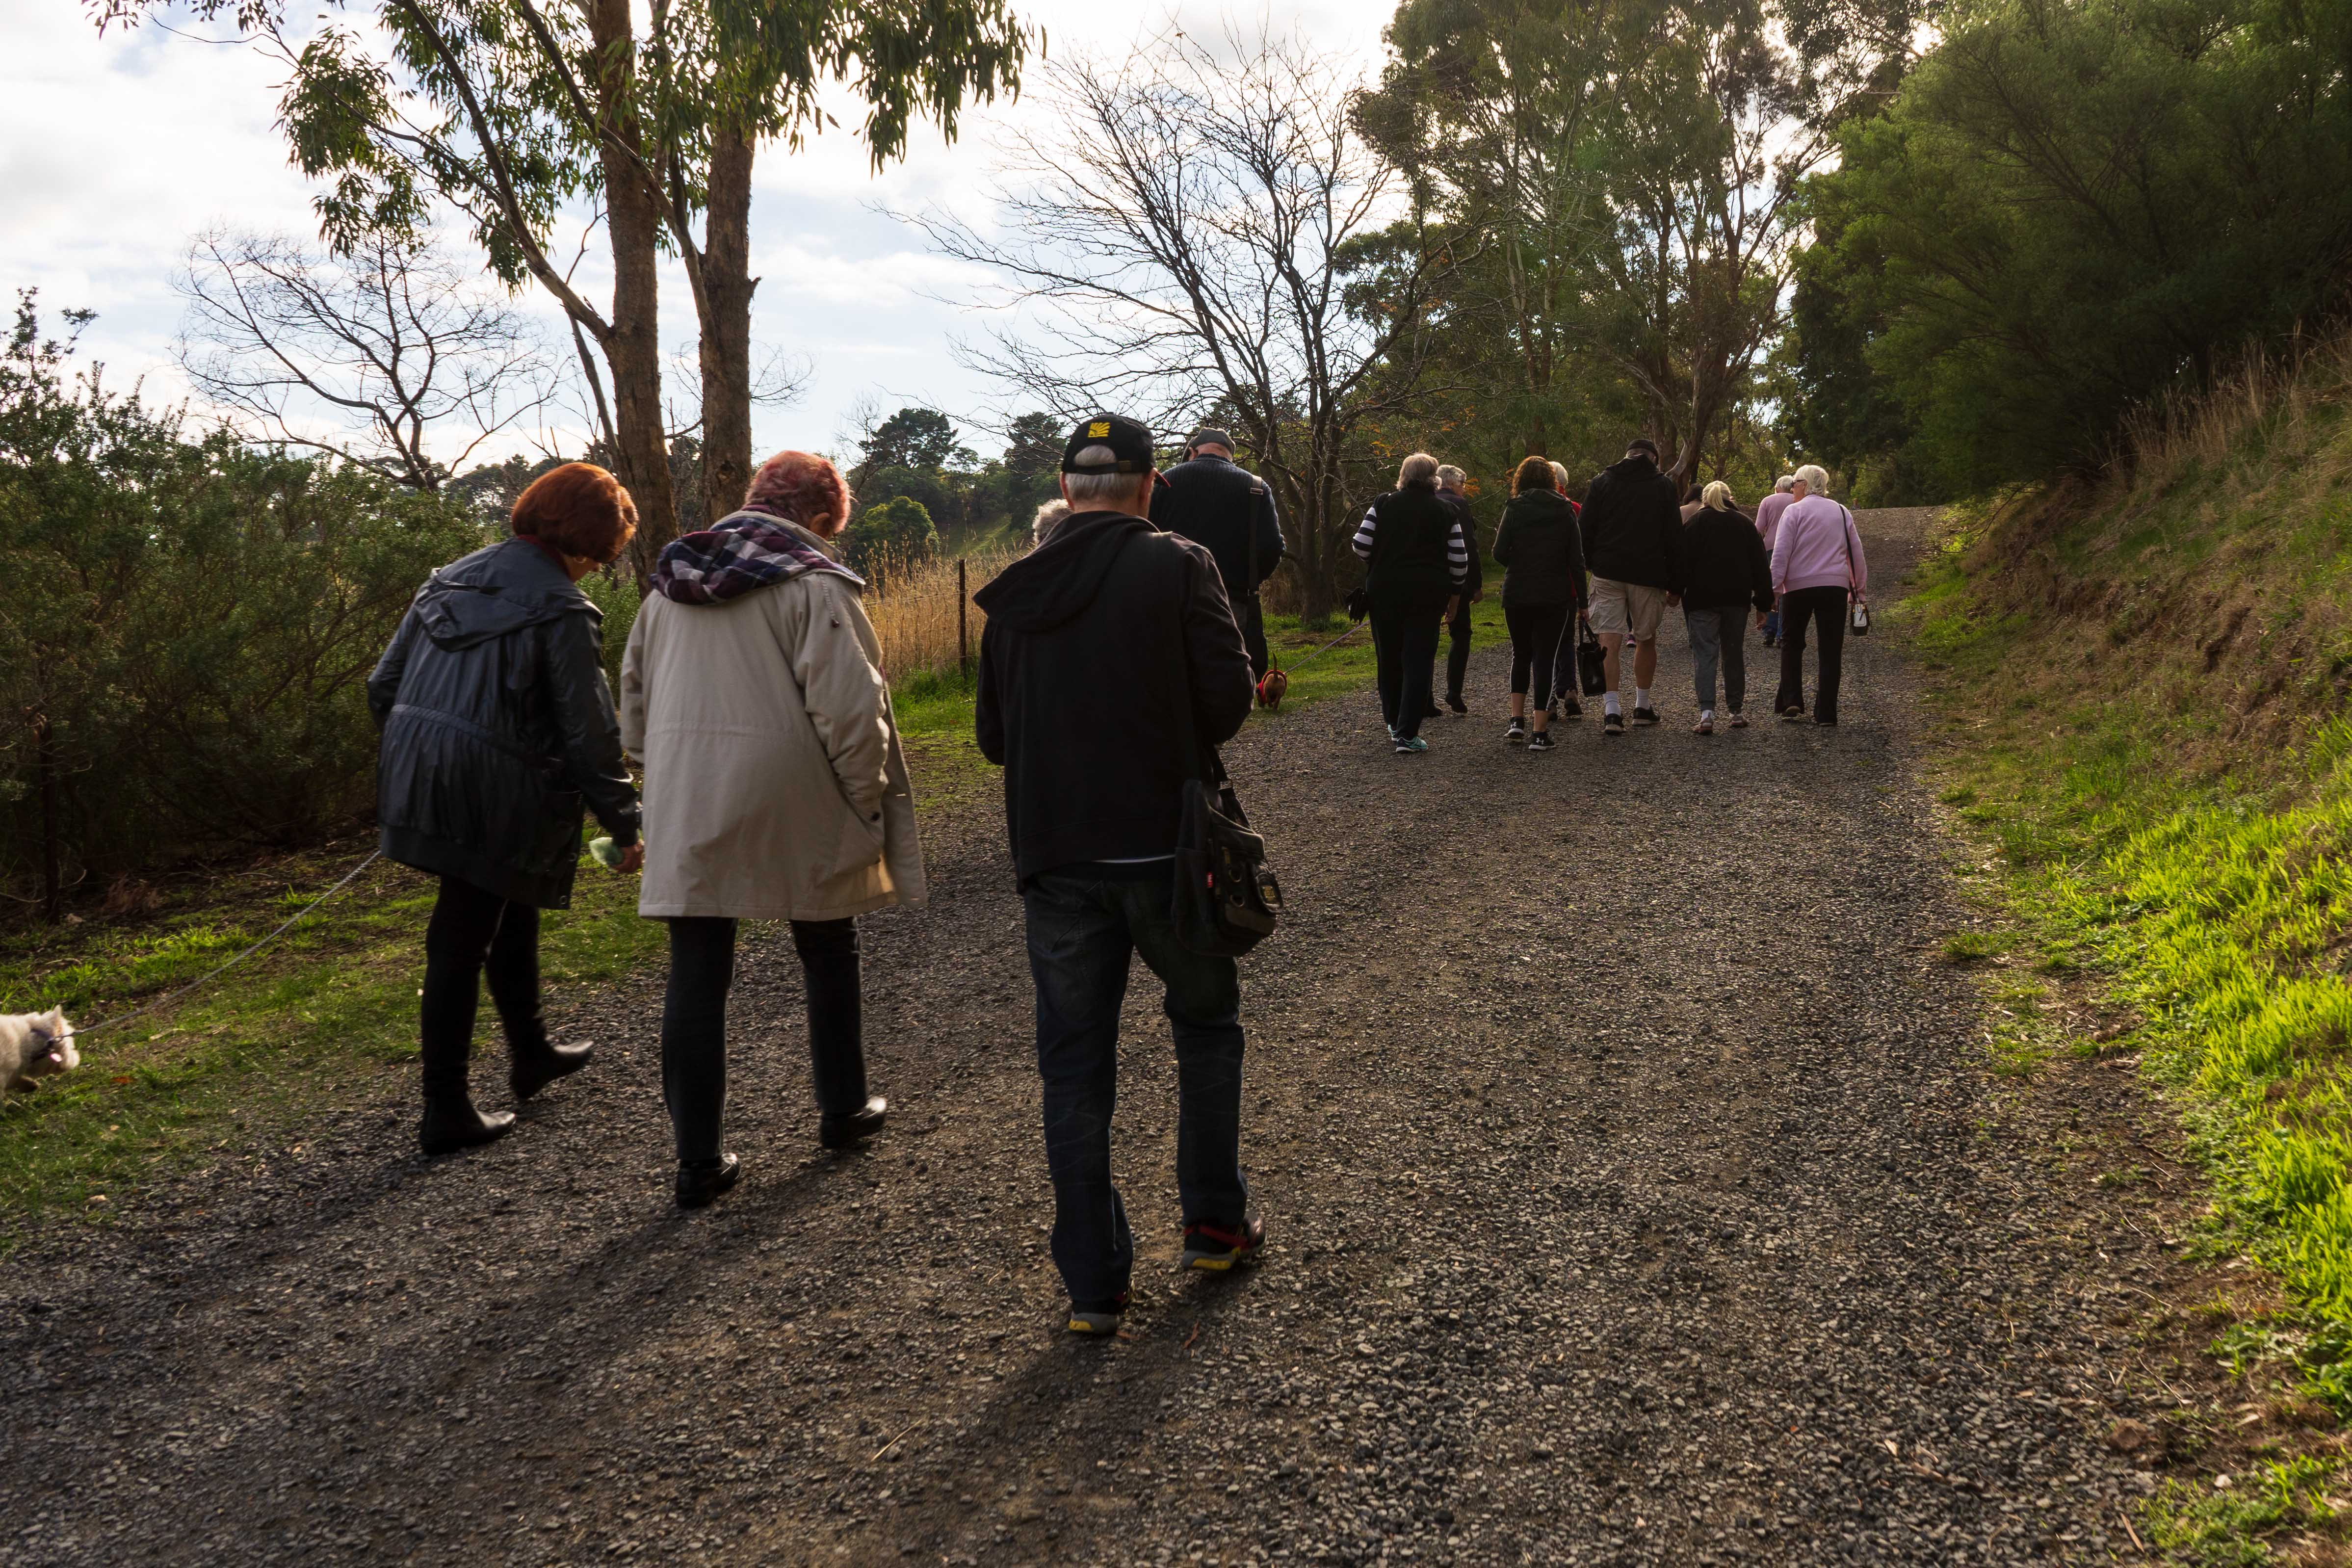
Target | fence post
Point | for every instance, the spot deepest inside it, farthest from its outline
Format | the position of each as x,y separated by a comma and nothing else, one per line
963,634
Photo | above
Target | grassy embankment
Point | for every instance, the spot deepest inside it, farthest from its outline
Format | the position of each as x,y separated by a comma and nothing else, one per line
2147,682
325,1016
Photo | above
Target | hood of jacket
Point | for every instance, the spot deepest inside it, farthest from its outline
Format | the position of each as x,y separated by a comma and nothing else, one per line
510,585
1627,469
1538,503
1054,583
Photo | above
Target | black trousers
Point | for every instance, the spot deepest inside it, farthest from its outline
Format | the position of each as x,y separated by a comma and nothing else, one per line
1250,615
1404,649
1536,634
472,933
1825,608
1457,656
693,1023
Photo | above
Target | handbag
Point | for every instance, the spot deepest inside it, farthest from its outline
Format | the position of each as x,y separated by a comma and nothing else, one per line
1591,661
1226,897
1857,613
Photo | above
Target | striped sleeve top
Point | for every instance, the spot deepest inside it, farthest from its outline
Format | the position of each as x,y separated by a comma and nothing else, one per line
1457,544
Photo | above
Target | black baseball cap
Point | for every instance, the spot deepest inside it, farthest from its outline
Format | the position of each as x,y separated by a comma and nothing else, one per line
1131,442
1642,444
1209,436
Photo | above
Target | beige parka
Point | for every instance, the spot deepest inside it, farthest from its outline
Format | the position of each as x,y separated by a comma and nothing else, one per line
775,787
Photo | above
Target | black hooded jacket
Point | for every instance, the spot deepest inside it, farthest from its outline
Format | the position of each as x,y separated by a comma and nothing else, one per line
497,727
1542,553
1724,563
1109,668
1633,525
1214,501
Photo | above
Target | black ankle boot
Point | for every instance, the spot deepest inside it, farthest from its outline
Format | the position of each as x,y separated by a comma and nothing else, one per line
535,1068
846,1129
452,1124
698,1184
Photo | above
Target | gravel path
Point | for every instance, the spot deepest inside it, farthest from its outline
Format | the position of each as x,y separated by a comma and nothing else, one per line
1634,1190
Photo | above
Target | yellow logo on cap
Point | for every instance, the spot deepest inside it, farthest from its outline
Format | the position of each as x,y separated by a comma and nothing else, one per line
1099,427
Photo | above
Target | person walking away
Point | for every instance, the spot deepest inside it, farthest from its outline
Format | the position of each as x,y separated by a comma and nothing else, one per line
1693,501
1416,559
1050,516
1768,526
1818,567
1542,557
1214,502
1111,671
1452,490
1567,680
775,789
1633,546
498,728
1725,573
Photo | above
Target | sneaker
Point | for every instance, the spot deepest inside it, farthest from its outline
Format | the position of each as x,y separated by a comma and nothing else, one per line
1645,715
1516,734
1612,723
1740,721
1453,700
1571,709
1705,725
1542,740
1098,1317
1407,746
1792,715
1391,731
1217,1248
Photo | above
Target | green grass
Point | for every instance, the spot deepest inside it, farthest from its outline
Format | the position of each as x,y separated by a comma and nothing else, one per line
2224,1527
319,1019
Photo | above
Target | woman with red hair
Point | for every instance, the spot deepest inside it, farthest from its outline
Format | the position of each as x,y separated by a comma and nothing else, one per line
498,728
775,789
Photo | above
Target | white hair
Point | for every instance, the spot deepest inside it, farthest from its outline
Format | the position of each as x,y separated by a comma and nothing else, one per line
1049,517
1814,478
1560,476
1450,477
1419,469
1098,489
1785,482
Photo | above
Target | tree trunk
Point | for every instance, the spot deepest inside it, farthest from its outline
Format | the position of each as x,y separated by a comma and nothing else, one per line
633,217
724,300
44,767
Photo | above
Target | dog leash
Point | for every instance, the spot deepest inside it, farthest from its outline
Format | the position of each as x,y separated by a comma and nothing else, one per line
232,963
1327,647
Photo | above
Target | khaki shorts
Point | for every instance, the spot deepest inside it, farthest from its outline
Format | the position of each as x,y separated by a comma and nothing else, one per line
1623,607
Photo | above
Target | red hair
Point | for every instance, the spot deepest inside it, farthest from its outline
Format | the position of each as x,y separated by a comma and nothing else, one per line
803,487
579,510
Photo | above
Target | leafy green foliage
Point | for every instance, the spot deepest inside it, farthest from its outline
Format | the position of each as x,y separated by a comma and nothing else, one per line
2074,206
897,532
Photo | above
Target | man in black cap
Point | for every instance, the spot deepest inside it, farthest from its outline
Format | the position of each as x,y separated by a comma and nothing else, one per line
1110,672
1213,500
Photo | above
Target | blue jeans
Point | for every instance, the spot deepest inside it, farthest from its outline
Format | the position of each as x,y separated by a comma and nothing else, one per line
1082,928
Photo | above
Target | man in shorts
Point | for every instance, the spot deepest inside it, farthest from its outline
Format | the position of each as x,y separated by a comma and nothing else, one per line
1633,546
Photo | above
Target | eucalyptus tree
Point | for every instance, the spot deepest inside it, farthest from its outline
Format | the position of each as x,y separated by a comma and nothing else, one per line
504,114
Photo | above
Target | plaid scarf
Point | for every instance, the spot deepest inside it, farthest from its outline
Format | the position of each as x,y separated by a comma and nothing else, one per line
743,550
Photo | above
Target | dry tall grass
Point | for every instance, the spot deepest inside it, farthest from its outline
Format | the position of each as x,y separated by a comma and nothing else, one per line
913,607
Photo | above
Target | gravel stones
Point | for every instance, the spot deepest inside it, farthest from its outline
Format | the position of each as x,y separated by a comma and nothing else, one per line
1634,1190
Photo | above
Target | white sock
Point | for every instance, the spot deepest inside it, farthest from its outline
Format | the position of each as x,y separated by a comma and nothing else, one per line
1641,697
1608,703
1707,715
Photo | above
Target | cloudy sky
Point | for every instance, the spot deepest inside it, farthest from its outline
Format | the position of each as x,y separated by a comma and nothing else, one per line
115,150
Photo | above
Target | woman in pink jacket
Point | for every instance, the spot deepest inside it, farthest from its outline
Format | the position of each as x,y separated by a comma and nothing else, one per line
1818,567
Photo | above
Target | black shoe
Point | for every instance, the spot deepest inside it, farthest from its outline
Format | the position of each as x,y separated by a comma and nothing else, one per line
1792,715
698,1184
1518,733
1542,740
1434,713
847,1129
1453,700
1217,1248
1571,709
1612,723
450,1125
1645,715
1825,723
1098,1317
535,1070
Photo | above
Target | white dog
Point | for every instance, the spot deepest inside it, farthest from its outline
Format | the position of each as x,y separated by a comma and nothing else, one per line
34,1045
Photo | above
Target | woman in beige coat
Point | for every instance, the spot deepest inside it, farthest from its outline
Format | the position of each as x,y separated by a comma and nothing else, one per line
774,789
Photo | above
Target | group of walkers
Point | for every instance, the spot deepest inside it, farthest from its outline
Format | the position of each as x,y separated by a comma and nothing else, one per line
1118,655
1609,568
